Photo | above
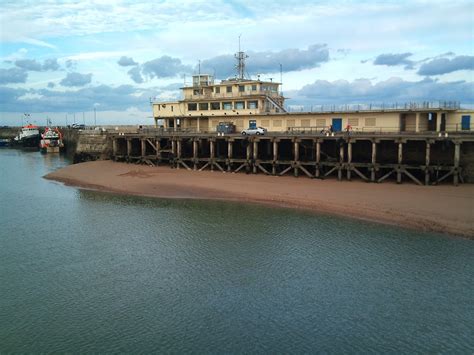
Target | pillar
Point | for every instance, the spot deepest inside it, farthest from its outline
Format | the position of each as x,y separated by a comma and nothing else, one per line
195,153
349,160
158,149
173,151
457,154
178,152
417,122
114,146
438,121
211,149
255,155
175,124
198,129
400,159
143,141
296,152
229,154
275,156
318,156
129,147
341,161
427,163
374,160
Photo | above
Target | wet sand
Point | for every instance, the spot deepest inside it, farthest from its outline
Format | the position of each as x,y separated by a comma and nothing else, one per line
445,208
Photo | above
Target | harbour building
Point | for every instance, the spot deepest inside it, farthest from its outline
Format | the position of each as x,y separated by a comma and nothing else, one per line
246,103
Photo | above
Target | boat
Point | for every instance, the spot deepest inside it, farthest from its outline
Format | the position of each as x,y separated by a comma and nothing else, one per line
51,140
28,137
4,143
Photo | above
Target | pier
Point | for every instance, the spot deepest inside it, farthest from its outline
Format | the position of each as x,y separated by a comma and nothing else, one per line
424,159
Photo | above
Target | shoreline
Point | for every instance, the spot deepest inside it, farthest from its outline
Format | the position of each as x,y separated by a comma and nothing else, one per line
445,209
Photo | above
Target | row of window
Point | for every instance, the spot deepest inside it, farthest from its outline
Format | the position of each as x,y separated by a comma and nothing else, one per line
237,105
228,89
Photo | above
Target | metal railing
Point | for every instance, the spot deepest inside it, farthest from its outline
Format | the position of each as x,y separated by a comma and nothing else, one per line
425,105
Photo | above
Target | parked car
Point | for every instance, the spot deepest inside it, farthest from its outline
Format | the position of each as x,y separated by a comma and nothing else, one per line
78,126
259,131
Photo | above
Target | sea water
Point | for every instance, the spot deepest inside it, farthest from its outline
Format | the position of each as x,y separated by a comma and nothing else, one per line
84,271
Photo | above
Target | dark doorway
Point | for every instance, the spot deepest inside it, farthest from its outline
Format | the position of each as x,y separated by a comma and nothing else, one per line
443,122
432,120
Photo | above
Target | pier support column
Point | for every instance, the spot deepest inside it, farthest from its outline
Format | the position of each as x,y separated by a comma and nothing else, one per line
318,157
175,124
341,162
114,147
374,160
158,150
400,160
143,141
178,153
212,153
275,156
349,160
195,153
198,128
417,122
173,151
129,147
229,155
296,151
249,154
457,154
427,163
255,155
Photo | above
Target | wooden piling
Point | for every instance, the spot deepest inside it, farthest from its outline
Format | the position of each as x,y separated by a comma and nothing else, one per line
349,160
229,154
374,161
400,160
296,152
255,155
427,163
318,157
275,156
457,155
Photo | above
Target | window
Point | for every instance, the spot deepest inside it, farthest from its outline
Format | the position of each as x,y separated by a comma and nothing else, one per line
241,88
277,123
305,123
215,105
321,122
239,105
172,107
252,104
203,106
192,107
228,88
353,122
290,123
218,89
227,105
370,122
254,87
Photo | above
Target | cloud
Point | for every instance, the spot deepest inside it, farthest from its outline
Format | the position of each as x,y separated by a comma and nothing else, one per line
85,99
51,64
13,75
126,61
391,60
76,79
391,90
444,65
51,85
33,65
135,75
269,62
164,67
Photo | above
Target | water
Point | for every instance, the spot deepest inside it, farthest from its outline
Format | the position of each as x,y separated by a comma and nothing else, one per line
83,271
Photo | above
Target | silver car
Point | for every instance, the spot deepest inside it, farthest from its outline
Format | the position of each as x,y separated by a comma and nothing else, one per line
259,131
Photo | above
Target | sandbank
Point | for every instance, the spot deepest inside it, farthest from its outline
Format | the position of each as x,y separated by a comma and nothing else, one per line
445,208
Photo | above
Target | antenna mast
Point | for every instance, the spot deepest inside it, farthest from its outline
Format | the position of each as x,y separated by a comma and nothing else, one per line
240,56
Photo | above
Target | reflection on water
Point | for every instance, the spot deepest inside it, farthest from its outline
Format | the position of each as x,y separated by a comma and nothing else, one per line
87,271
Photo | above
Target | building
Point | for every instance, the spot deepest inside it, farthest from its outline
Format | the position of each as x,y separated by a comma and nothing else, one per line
246,103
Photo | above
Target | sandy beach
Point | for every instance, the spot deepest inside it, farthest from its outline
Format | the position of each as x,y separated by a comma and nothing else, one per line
446,208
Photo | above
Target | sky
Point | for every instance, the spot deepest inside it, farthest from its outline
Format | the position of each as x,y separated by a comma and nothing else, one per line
64,60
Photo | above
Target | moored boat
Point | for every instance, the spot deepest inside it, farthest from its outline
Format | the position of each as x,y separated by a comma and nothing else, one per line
51,140
28,137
